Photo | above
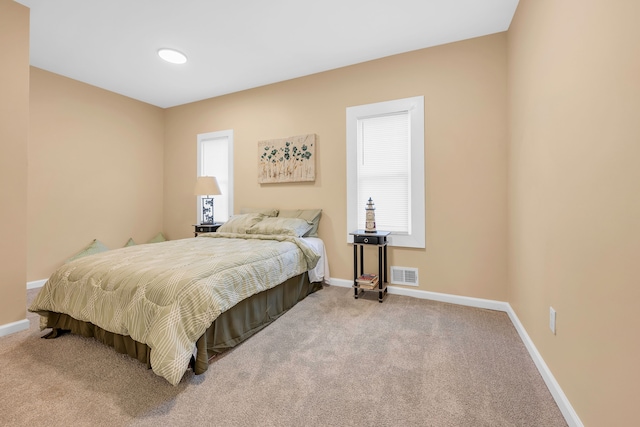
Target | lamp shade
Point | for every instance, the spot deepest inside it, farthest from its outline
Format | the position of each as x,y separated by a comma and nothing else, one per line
206,186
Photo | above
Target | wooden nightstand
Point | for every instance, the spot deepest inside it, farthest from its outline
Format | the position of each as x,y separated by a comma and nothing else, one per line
206,228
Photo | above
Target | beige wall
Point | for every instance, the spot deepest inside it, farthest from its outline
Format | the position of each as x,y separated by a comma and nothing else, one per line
14,126
563,83
464,85
95,170
574,197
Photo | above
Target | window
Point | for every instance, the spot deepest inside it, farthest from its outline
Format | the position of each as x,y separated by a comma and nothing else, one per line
215,158
385,161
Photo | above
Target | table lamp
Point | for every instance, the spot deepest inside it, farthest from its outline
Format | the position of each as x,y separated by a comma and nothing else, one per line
207,186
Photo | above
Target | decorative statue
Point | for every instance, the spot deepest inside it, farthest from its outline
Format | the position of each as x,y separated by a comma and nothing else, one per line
370,220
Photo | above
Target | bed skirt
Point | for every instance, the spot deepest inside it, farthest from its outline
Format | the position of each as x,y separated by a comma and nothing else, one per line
230,328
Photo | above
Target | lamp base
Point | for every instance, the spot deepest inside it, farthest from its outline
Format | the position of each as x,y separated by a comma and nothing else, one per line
207,211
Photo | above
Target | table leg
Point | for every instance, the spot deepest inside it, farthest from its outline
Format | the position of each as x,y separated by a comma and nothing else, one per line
380,281
355,270
385,264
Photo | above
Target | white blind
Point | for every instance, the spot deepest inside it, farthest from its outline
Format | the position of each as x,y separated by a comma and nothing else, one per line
384,170
214,157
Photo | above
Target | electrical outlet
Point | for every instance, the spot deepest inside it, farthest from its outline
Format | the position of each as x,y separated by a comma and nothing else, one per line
552,320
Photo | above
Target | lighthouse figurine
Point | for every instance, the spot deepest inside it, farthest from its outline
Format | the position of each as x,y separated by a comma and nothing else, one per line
370,219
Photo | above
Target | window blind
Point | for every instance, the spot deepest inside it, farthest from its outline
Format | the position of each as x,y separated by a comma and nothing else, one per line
384,170
215,158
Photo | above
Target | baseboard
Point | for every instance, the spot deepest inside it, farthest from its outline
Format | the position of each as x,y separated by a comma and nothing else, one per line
434,296
570,415
36,284
13,327
21,325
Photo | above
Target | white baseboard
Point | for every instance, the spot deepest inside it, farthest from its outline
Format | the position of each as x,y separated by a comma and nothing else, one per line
21,325
13,327
36,284
570,415
434,296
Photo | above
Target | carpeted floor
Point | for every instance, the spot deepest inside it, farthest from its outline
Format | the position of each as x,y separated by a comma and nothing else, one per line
329,361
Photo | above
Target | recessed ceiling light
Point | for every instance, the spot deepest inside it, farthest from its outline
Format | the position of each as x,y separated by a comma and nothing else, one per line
172,55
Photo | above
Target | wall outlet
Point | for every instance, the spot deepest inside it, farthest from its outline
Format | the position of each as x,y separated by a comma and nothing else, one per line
552,320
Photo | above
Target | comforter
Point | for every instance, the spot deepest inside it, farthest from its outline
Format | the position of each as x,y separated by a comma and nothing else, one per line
167,294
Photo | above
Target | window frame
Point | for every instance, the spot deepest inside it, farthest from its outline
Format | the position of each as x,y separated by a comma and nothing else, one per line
415,107
203,137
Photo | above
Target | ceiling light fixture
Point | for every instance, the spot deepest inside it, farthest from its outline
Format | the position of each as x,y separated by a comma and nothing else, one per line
172,55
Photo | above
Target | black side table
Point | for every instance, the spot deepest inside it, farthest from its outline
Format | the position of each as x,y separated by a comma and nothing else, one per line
361,239
206,228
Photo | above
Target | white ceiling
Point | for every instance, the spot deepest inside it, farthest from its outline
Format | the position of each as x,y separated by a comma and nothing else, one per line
235,45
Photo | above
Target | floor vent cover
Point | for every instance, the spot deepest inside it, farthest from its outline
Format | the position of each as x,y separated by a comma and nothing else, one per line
404,276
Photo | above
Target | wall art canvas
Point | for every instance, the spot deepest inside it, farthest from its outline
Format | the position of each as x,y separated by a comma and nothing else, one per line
289,159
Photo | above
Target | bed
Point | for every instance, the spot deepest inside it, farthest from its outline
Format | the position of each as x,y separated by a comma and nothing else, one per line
176,304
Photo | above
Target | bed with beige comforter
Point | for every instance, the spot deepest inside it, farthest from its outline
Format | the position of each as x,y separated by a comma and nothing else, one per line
166,295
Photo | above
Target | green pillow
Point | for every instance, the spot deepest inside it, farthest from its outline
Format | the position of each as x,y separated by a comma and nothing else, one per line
312,216
158,238
263,211
130,242
297,227
240,223
95,247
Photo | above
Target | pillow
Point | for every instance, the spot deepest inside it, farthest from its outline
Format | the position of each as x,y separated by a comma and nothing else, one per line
288,226
312,216
130,242
240,223
263,211
95,247
157,238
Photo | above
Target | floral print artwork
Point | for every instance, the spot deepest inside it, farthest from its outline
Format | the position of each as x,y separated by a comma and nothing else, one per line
287,159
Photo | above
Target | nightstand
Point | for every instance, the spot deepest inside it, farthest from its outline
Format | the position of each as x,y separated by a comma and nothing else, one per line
362,239
206,228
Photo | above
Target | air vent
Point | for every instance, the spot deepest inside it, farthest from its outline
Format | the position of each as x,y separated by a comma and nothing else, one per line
404,276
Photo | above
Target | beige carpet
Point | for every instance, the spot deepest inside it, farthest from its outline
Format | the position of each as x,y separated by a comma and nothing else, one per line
330,361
